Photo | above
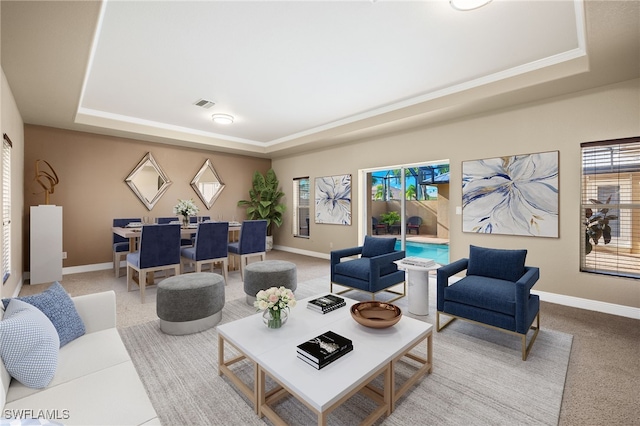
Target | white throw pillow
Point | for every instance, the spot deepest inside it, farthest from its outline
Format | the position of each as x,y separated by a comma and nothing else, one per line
29,344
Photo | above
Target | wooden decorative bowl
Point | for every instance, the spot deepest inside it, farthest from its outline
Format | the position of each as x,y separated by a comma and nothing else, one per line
376,314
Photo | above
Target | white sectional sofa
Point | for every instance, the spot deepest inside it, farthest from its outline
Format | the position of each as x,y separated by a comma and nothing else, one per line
95,382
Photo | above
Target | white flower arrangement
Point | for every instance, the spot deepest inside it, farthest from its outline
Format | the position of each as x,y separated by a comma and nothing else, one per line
186,208
275,298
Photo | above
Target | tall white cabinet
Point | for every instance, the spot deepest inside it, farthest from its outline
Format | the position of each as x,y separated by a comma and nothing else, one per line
46,244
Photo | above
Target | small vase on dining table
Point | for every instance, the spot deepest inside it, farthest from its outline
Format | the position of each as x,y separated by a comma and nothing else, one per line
275,318
185,222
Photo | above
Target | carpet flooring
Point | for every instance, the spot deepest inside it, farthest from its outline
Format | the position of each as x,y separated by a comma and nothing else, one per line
478,377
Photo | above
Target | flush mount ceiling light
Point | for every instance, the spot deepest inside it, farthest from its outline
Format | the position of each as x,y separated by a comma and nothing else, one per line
222,118
468,4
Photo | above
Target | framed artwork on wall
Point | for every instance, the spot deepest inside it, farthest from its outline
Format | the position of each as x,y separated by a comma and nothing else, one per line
333,199
513,195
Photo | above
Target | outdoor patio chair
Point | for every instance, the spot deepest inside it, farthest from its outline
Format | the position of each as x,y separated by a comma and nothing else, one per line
413,224
376,226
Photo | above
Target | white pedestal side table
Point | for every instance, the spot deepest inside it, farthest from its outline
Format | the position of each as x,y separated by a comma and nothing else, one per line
418,286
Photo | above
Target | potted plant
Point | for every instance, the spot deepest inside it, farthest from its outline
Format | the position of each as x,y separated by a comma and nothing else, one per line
264,202
597,225
390,218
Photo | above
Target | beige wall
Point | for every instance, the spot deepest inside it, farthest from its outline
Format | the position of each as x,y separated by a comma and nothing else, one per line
555,124
12,125
92,169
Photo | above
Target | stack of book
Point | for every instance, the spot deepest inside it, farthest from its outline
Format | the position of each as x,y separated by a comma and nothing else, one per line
419,261
324,349
326,303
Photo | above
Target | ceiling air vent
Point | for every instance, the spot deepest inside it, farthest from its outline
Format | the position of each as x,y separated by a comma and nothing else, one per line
204,103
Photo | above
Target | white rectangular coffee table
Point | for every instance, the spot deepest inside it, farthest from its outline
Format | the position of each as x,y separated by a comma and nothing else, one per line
273,354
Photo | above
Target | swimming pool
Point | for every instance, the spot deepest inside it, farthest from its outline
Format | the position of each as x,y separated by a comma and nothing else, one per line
437,252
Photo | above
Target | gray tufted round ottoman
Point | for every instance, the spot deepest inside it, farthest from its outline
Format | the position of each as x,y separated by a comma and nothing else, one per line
268,273
190,303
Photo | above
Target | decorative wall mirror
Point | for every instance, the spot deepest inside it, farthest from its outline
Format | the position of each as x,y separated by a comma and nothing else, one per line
148,181
207,184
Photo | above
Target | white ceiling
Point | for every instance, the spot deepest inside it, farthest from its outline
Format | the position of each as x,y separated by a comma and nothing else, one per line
296,75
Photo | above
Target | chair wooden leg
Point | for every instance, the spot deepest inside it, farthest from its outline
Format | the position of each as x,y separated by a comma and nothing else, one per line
225,270
129,277
243,259
142,278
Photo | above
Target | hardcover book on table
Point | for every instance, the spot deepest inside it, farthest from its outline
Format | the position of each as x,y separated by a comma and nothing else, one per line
419,261
317,365
325,347
326,303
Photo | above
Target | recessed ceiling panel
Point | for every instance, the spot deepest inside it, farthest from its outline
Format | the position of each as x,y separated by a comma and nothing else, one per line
286,68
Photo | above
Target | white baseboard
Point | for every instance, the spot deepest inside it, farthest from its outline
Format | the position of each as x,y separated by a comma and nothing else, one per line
303,252
16,292
89,268
590,305
560,299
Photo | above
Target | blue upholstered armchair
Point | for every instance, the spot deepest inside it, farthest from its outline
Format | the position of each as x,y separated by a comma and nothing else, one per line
374,271
495,292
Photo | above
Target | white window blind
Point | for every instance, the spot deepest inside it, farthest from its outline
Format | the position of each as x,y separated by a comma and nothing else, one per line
610,207
6,207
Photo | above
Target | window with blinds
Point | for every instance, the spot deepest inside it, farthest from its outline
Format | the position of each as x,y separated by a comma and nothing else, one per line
610,207
6,208
301,207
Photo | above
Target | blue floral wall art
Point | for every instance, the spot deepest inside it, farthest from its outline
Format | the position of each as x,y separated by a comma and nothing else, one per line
333,199
515,195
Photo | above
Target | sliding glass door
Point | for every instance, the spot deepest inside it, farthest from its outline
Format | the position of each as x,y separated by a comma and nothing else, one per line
410,203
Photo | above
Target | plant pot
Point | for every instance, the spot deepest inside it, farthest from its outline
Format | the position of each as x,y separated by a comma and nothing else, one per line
269,243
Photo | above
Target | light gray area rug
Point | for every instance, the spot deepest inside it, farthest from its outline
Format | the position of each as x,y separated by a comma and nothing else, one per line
478,377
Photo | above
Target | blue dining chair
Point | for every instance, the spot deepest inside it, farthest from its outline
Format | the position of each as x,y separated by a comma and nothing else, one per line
166,220
159,251
121,244
252,242
169,219
193,219
210,247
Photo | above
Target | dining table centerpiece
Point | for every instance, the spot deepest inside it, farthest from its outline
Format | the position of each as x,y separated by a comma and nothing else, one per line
275,302
185,208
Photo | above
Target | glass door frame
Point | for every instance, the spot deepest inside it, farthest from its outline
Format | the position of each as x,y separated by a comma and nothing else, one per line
364,195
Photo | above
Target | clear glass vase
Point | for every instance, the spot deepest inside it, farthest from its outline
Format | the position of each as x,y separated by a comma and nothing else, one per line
275,319
185,221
